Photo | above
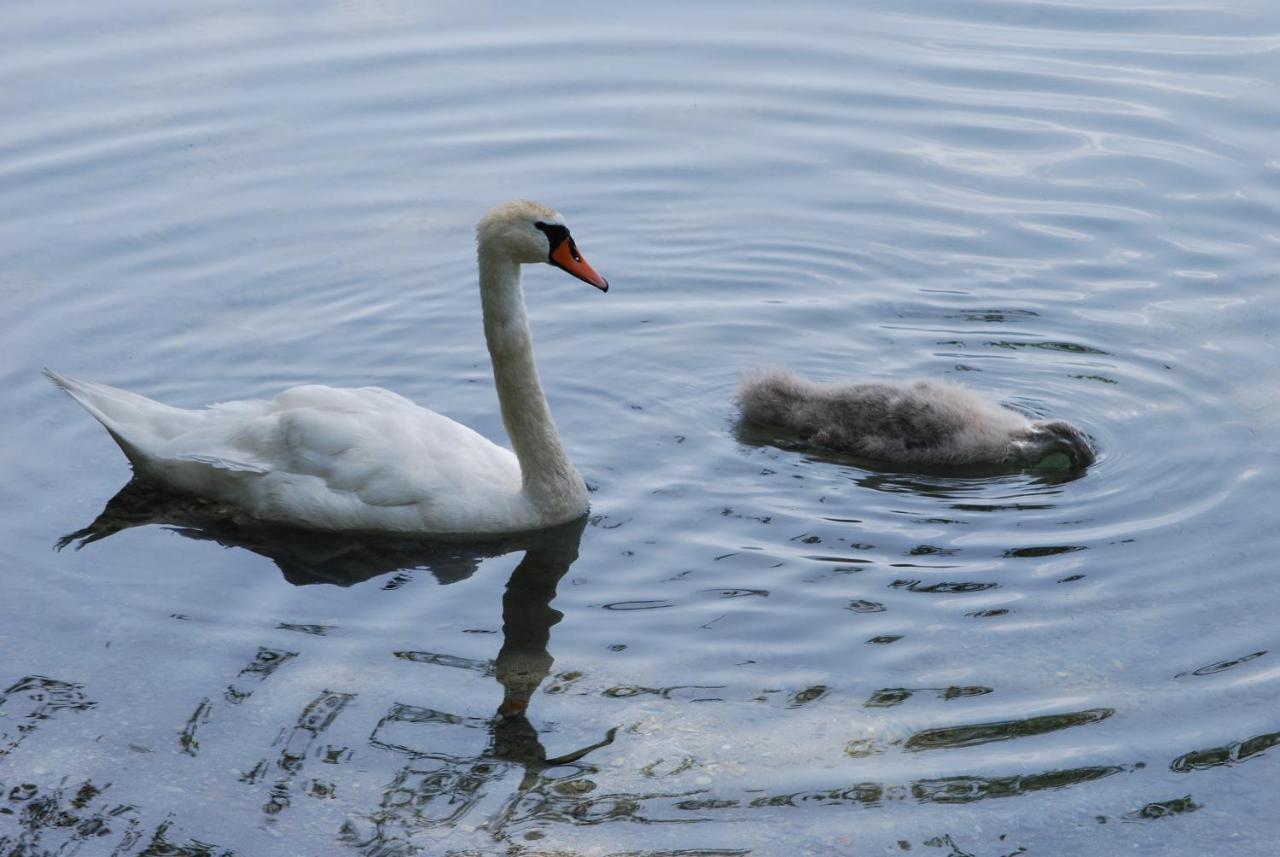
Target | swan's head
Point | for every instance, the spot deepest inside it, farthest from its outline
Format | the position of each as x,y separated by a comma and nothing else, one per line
527,232
1057,445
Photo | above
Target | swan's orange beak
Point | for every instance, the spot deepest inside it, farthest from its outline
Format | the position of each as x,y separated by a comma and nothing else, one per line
567,257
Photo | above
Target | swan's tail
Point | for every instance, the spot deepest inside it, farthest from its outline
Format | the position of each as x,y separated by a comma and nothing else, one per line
135,422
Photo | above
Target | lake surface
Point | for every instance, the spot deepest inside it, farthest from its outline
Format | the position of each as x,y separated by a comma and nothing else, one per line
749,648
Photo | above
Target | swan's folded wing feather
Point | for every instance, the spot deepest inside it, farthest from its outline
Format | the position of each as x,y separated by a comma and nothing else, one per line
380,446
220,463
343,458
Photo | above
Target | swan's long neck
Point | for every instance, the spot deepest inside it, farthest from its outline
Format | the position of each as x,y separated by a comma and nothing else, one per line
550,479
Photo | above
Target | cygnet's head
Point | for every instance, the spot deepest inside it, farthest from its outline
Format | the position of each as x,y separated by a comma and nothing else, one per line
527,232
1049,441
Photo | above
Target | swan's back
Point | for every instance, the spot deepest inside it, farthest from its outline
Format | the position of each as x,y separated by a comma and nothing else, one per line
933,422
325,457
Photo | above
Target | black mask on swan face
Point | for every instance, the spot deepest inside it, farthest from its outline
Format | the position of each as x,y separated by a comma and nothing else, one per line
563,253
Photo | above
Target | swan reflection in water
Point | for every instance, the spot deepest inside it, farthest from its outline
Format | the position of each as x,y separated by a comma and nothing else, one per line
343,559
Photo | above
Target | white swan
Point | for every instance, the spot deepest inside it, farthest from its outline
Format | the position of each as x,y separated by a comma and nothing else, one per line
922,422
367,458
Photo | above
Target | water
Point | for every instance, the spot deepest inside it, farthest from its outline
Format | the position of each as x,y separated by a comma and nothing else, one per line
1071,206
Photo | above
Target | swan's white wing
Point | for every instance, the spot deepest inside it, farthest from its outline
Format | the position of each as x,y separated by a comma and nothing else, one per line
362,458
328,455
345,458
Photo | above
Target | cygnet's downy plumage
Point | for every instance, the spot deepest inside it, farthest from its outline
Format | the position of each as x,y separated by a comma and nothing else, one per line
920,422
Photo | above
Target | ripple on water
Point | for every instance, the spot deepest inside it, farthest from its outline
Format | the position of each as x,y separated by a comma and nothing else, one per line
1063,205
